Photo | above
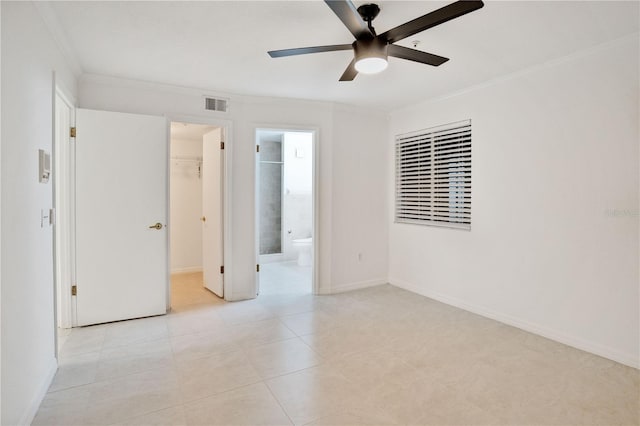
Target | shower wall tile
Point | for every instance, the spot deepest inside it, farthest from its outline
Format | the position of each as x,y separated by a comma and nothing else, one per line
270,198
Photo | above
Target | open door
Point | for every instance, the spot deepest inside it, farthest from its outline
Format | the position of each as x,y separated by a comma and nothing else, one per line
212,225
121,216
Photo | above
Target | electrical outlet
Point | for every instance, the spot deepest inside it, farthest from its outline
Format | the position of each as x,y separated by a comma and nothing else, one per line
359,257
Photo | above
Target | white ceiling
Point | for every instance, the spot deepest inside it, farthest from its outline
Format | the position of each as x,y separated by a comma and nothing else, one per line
222,45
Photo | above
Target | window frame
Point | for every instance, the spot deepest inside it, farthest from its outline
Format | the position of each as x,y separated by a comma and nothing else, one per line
433,176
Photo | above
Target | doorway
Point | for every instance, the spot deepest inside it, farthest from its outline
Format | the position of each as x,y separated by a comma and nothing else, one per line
76,201
196,218
285,211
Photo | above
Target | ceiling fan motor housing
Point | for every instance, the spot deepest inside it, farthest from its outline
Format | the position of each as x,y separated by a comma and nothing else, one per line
370,48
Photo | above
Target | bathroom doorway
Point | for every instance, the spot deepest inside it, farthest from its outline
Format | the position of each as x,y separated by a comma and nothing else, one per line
285,211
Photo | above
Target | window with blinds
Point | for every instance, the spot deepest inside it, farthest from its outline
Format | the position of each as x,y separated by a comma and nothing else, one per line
433,176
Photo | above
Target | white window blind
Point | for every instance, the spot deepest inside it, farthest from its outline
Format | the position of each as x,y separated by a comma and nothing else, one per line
433,176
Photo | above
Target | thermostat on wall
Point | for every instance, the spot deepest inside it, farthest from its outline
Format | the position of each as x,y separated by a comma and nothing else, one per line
44,165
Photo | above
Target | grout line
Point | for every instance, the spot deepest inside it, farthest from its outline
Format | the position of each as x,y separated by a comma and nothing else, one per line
153,412
279,403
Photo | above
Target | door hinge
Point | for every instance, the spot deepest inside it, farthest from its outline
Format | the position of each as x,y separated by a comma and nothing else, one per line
72,132
258,268
222,269
74,290
221,145
257,148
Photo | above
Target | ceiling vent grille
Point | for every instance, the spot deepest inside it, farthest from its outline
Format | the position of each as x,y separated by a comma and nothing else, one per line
214,104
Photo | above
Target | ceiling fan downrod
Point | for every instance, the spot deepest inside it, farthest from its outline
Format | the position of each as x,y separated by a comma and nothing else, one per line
368,12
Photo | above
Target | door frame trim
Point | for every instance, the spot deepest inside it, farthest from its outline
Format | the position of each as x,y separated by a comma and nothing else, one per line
64,306
227,155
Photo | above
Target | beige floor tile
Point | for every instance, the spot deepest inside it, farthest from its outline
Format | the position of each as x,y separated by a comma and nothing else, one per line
243,312
278,358
190,347
138,331
281,305
260,332
285,278
375,369
173,416
599,396
75,370
63,408
62,334
250,405
134,358
369,417
201,319
215,374
188,291
133,395
314,322
345,341
442,356
83,340
386,356
317,392
516,399
423,402
193,296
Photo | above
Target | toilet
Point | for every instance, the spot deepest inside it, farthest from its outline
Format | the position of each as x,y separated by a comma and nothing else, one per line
304,250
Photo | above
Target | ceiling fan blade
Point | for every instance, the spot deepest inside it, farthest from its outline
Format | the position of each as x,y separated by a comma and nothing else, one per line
350,73
432,19
348,14
416,55
306,50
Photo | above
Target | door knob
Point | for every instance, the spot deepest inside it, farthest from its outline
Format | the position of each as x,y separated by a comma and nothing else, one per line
156,226
204,219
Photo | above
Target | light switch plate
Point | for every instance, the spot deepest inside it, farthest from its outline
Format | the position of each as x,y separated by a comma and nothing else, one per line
44,166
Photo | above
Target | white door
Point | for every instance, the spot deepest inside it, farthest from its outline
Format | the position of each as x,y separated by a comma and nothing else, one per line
64,119
121,216
212,211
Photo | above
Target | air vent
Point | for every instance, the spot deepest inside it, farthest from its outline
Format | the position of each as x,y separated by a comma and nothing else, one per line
213,104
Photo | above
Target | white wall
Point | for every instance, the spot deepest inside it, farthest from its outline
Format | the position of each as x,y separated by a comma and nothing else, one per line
186,207
554,241
360,162
29,58
298,159
298,190
248,113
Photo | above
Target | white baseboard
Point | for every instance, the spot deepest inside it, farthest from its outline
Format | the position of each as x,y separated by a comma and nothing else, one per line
354,286
591,347
186,270
32,409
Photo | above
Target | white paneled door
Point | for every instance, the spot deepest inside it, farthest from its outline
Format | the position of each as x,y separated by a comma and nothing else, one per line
121,216
212,211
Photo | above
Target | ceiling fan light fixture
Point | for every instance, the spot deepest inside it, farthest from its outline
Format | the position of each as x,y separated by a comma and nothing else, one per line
371,55
371,65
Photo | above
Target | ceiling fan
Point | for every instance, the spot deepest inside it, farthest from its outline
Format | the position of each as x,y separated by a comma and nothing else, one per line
371,50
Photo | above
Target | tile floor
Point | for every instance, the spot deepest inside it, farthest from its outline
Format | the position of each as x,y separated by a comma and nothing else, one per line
285,278
375,356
